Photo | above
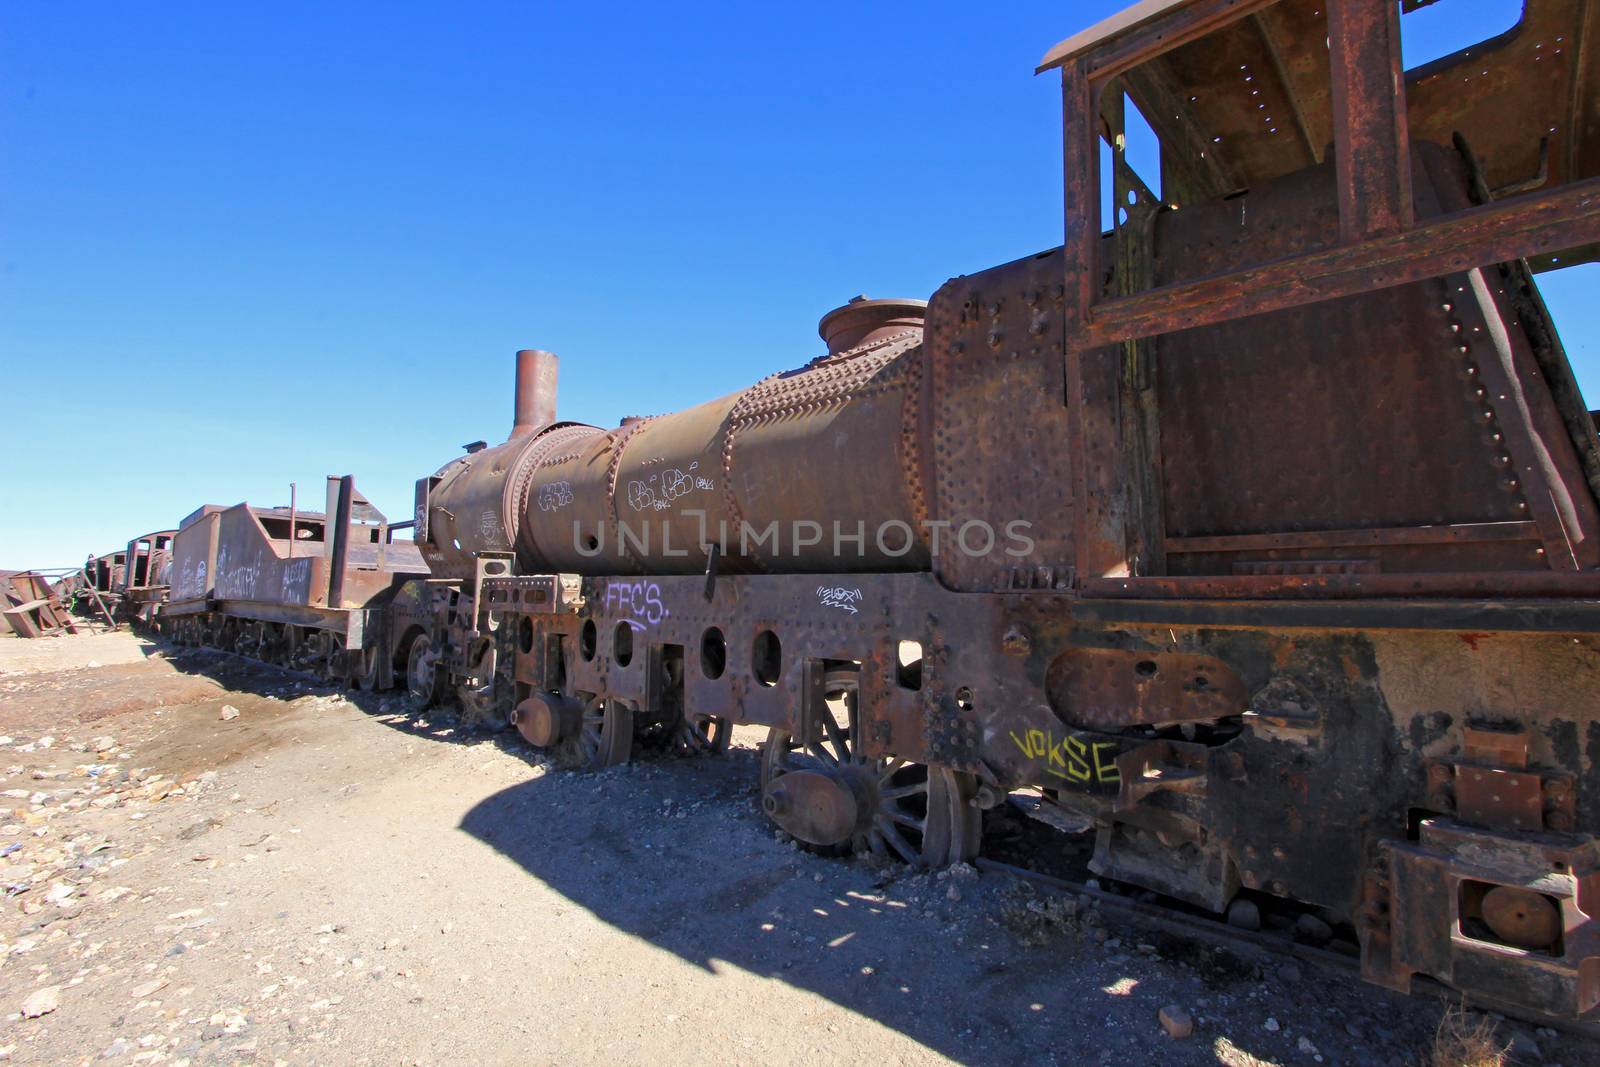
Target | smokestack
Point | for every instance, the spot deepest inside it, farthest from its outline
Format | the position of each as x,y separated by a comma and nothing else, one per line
535,404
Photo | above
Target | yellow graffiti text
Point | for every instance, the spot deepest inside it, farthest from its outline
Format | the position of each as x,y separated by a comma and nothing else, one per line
1071,758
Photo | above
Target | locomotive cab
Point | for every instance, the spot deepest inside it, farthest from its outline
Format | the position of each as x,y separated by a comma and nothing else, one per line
1314,399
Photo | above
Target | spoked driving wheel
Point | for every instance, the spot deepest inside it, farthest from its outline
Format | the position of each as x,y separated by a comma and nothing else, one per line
693,735
934,804
674,729
422,676
605,735
367,664
828,794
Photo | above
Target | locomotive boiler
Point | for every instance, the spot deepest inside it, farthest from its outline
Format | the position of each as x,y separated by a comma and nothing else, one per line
832,446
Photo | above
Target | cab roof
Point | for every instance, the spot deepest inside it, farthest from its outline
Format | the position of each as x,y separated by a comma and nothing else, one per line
1105,29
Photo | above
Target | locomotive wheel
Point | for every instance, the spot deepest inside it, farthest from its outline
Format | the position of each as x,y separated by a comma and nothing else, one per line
489,705
334,667
681,735
1522,917
249,642
672,730
694,735
275,644
269,637
367,676
422,676
307,650
605,738
916,814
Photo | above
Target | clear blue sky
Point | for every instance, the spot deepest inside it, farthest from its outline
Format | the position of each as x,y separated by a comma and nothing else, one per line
243,245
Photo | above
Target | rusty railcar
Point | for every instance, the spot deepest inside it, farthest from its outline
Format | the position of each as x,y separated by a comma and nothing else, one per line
128,584
145,571
294,588
31,606
1270,540
106,574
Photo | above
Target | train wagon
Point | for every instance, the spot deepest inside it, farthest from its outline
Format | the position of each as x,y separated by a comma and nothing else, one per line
294,588
147,562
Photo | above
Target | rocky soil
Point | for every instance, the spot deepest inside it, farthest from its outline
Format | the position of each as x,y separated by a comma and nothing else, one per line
205,861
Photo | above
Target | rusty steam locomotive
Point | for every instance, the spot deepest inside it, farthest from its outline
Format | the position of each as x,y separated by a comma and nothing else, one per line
1256,524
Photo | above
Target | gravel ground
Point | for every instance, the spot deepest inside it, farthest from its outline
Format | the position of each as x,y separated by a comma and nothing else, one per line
207,861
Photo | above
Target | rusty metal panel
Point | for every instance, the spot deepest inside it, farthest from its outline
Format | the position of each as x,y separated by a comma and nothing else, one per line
30,607
1113,689
1494,796
1518,98
1398,440
194,557
249,566
993,350
1259,87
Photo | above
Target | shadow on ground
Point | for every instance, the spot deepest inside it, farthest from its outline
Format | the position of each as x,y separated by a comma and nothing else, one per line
674,851
975,978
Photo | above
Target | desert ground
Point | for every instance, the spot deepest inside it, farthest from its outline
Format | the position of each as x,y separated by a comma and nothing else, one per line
207,861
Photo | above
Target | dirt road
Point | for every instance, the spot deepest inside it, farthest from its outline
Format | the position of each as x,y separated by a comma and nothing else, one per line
321,878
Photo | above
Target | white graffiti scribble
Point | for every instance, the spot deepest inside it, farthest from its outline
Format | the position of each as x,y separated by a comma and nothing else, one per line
296,586
658,491
553,496
237,582
836,596
489,527
191,580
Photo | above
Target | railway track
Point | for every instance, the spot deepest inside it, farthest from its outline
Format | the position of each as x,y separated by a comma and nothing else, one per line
1175,920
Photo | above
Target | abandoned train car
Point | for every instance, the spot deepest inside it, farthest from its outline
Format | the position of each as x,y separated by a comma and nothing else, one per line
293,588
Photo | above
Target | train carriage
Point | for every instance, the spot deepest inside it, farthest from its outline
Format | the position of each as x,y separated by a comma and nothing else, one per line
293,588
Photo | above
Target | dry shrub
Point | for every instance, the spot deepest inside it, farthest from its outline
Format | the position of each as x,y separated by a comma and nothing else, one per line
1038,919
1464,1039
